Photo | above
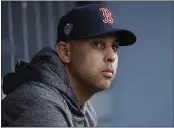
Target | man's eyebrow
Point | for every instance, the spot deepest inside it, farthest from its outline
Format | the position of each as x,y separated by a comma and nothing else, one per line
98,39
115,42
101,39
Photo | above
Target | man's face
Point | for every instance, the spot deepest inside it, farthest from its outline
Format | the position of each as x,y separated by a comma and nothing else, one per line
93,62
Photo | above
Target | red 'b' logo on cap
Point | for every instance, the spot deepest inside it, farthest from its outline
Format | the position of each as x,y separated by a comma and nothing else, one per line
107,15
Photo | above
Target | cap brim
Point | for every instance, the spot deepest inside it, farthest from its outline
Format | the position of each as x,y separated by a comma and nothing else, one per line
125,37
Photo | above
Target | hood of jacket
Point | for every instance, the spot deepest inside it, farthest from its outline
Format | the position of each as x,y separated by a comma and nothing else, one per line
45,67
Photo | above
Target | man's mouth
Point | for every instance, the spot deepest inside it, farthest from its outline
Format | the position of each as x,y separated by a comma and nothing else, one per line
108,73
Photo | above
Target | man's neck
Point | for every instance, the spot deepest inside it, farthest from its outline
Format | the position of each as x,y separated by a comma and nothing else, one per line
78,89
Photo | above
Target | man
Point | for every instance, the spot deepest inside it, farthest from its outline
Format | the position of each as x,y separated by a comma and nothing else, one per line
55,87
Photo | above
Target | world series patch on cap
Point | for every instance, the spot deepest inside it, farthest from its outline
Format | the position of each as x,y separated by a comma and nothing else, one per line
90,21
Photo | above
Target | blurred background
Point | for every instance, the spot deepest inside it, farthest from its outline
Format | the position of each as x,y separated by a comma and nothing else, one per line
142,94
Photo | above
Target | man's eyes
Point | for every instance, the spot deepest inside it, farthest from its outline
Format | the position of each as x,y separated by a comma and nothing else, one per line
101,45
97,45
115,47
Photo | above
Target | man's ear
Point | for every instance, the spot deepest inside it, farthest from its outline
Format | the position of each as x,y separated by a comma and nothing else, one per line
63,51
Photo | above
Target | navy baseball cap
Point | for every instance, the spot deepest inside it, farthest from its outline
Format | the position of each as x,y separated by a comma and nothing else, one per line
90,21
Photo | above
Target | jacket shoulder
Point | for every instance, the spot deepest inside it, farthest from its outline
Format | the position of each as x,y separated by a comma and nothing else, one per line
29,96
41,115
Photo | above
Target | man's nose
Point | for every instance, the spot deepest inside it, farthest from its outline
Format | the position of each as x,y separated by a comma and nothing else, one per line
110,55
